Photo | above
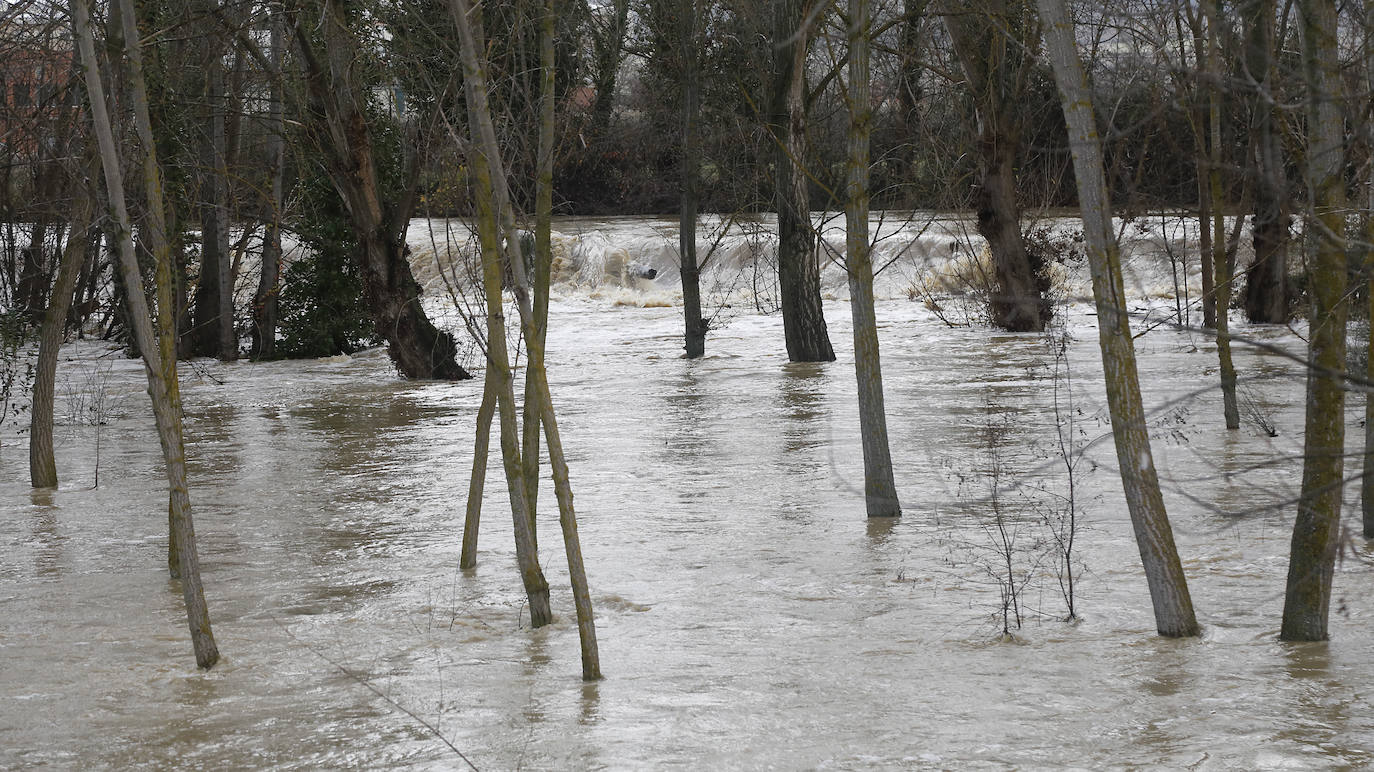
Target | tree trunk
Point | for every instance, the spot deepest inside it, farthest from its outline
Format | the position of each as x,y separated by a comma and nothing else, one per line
213,327
1266,286
158,349
478,481
880,490
42,464
997,67
265,305
494,205
1367,479
1173,607
695,325
418,349
799,270
486,174
606,50
1307,598
1220,264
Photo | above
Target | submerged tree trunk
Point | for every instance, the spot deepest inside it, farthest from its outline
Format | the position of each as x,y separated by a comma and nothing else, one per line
695,325
1173,607
478,481
159,355
418,349
494,208
997,66
42,464
799,270
1220,264
1266,286
1307,598
880,490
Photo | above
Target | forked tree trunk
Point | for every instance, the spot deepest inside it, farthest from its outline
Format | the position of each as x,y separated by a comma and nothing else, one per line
489,233
1173,607
494,207
158,349
880,490
997,67
42,464
1307,598
1266,286
799,269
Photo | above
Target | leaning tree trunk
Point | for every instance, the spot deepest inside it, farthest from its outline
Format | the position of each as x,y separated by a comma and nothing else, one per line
997,67
880,490
1307,599
494,206
1266,286
42,464
799,269
418,349
694,323
158,349
1173,606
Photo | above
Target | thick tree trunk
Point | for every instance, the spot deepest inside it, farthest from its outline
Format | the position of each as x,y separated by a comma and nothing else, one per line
42,464
418,349
606,49
880,490
1266,287
1173,606
694,324
1307,599
158,349
997,68
799,269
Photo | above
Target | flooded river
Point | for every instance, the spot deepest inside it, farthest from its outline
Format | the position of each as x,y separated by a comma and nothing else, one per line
749,615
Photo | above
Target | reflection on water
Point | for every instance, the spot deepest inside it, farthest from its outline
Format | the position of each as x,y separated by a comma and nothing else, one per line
749,614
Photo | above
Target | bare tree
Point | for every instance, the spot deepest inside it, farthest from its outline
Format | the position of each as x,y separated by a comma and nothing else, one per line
158,349
1173,607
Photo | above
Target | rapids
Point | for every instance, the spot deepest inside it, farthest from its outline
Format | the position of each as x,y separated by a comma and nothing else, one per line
749,615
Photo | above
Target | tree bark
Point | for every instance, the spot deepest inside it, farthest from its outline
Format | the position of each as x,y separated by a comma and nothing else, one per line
265,300
485,165
799,270
1367,479
213,327
418,349
42,464
478,481
1173,607
1307,598
694,324
158,348
1266,286
880,490
494,206
1220,264
997,68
